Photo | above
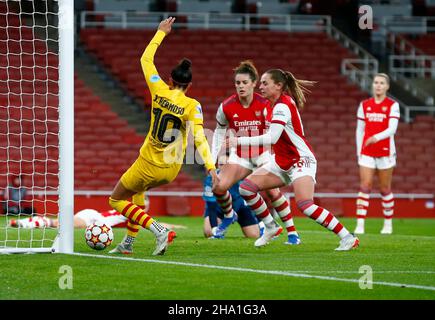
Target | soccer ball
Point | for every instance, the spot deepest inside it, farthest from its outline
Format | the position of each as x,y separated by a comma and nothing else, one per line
98,236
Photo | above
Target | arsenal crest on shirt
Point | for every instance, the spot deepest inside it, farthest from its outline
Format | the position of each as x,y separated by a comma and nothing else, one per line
257,113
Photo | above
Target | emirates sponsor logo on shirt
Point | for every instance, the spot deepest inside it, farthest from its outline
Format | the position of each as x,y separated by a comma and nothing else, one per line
245,123
376,117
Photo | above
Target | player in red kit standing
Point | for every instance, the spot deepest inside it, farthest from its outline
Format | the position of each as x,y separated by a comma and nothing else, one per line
378,118
245,114
293,161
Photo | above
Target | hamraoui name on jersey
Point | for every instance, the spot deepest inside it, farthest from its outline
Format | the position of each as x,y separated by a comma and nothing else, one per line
375,117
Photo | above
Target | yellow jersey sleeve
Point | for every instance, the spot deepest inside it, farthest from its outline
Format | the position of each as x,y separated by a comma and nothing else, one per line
196,120
147,62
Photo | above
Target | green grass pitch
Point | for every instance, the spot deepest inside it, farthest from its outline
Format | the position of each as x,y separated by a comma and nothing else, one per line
403,266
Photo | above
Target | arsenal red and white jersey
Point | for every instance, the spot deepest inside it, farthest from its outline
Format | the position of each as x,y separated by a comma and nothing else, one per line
376,117
292,144
245,122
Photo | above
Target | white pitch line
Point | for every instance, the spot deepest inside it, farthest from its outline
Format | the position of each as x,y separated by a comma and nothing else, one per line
375,234
271,272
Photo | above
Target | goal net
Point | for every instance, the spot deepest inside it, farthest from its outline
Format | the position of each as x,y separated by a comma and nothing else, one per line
35,177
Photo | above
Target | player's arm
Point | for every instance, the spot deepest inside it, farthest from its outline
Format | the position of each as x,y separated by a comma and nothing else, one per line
281,116
360,128
147,60
219,133
196,121
393,122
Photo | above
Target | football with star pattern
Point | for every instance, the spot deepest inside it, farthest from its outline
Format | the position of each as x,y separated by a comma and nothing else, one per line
98,236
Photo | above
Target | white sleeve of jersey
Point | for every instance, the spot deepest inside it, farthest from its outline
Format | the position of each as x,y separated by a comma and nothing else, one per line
360,112
218,139
360,127
220,117
390,131
395,111
219,133
281,113
280,117
269,138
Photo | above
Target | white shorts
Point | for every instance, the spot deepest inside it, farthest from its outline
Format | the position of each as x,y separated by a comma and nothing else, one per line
306,166
90,216
377,163
252,163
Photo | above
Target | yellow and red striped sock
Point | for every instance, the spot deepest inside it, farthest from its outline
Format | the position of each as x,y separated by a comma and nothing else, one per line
132,212
132,227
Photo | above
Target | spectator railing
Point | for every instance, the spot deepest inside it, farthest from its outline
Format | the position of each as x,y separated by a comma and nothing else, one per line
412,109
210,20
398,44
403,67
360,71
349,43
413,66
406,60
413,25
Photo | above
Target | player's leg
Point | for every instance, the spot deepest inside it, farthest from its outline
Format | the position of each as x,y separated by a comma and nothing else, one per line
211,219
304,191
126,245
248,222
282,207
206,229
229,174
366,173
138,178
261,179
385,177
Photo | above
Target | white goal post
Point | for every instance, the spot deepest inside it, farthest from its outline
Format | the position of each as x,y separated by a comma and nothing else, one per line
37,124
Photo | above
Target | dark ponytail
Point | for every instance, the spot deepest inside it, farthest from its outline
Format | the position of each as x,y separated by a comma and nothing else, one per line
182,74
294,87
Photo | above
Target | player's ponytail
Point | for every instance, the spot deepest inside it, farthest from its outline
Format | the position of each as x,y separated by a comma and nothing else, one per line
247,67
182,74
297,88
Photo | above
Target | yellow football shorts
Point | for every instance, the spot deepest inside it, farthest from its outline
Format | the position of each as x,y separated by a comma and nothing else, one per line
143,175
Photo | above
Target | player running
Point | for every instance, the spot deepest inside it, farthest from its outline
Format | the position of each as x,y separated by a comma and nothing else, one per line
245,114
378,118
173,114
293,162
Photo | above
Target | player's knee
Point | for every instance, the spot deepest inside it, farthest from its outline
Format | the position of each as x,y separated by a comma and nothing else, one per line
304,204
273,194
222,187
248,188
251,231
113,203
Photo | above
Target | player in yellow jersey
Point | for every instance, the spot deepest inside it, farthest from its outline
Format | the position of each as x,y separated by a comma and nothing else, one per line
173,115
